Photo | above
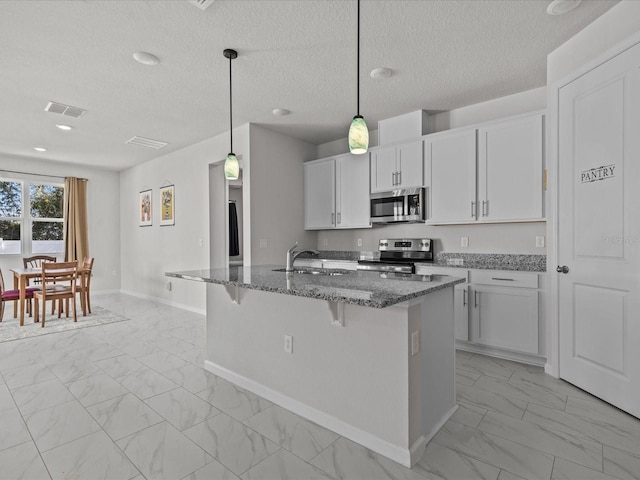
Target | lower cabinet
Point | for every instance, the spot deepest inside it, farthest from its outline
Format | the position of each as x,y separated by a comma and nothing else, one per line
504,310
497,311
504,317
460,297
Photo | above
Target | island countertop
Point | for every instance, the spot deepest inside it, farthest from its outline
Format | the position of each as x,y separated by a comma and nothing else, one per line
369,289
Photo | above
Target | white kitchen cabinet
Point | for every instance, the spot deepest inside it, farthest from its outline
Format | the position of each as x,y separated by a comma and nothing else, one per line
504,310
336,192
319,194
397,166
450,163
490,173
460,297
510,170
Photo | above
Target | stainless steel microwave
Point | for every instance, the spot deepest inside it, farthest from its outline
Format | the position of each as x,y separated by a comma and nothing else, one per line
398,206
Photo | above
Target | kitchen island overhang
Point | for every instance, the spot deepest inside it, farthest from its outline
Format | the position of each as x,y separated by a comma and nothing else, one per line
373,358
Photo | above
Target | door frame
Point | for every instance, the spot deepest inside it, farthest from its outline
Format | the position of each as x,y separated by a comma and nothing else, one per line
552,366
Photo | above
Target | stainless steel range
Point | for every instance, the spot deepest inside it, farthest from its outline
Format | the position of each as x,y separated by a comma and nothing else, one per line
400,255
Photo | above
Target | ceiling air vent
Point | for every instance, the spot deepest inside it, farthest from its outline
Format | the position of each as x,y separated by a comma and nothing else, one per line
202,4
147,142
63,109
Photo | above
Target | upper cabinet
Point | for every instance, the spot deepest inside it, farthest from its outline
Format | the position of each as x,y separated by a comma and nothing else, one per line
336,192
492,173
397,166
450,161
319,194
510,170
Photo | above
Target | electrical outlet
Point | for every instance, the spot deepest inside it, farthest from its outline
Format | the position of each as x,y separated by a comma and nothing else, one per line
263,243
464,241
540,242
288,343
415,342
359,242
325,242
200,243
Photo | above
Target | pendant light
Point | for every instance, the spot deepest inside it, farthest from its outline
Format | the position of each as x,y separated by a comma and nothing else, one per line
358,131
231,165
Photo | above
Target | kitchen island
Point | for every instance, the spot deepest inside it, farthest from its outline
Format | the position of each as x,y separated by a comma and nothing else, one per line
368,355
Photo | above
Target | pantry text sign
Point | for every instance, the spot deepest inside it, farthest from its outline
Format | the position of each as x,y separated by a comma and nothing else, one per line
598,173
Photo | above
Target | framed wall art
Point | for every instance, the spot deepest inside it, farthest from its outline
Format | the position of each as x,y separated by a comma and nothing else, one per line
167,205
145,209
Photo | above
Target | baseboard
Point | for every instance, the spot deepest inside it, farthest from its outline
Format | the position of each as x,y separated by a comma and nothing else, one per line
493,352
181,306
403,456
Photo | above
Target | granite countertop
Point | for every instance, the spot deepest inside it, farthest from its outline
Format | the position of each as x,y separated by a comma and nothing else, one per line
481,261
368,289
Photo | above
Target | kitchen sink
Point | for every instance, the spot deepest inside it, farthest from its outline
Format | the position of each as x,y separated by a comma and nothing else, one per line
316,271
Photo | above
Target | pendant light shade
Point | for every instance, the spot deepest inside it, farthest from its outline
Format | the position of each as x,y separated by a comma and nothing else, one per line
358,136
358,131
231,165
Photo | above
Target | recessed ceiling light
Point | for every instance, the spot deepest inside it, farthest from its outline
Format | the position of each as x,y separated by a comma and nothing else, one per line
66,128
381,73
40,149
280,112
146,58
558,7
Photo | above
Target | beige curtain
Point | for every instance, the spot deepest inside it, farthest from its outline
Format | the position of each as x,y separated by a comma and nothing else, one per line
76,228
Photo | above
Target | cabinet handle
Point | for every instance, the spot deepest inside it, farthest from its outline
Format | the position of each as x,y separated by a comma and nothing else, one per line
473,209
464,297
475,299
504,279
393,178
485,208
333,219
399,178
339,217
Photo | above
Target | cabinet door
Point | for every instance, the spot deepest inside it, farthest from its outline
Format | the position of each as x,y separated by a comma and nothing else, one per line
383,169
451,164
319,194
505,318
461,311
352,191
410,162
510,170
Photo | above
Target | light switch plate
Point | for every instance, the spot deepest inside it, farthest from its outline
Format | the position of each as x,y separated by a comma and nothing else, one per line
540,242
464,241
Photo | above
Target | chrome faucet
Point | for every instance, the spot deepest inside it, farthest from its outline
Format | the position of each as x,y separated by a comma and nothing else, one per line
292,254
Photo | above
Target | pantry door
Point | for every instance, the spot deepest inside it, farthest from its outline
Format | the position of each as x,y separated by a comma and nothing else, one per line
599,231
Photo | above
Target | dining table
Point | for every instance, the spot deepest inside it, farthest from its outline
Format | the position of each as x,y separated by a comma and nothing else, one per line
21,278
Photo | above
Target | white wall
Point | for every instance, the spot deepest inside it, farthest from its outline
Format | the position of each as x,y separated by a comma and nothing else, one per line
272,181
149,252
277,195
618,23
103,197
495,238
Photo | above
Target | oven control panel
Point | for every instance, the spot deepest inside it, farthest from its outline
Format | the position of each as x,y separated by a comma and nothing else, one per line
405,245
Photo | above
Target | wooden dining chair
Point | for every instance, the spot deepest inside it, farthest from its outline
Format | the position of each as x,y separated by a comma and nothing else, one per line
83,285
14,296
36,262
58,283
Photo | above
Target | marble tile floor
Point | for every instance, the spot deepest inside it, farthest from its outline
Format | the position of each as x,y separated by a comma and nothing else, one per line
131,401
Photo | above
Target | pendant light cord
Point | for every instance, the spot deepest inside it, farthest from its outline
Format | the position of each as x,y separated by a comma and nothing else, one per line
358,63
230,105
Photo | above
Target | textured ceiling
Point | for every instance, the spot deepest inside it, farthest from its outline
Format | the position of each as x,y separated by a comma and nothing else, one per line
293,54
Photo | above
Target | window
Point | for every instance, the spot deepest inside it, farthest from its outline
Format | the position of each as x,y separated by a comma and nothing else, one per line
36,228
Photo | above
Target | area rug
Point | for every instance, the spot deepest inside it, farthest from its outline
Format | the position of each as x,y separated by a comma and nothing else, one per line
10,328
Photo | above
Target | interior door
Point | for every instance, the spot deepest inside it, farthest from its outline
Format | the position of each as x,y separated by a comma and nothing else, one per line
599,231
